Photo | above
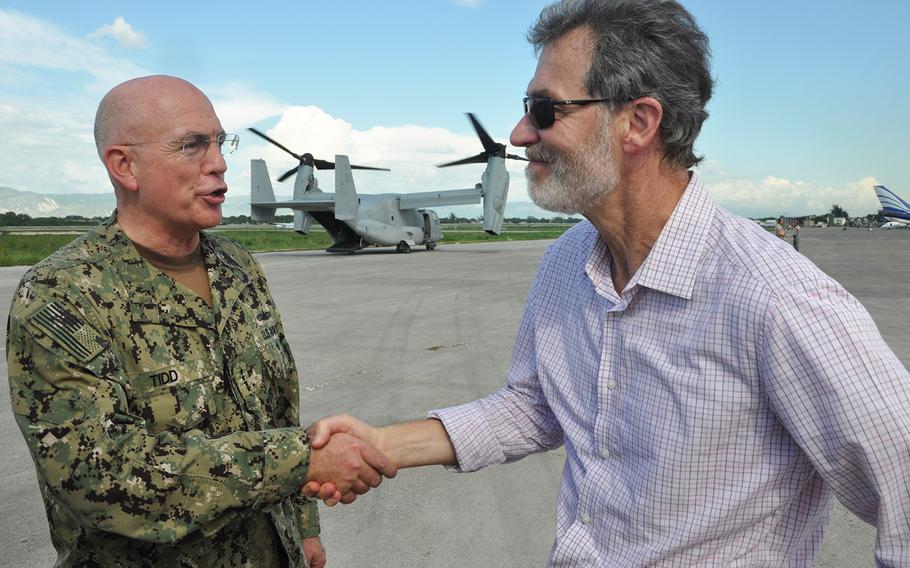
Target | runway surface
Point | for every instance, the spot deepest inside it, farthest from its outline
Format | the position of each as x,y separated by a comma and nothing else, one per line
386,337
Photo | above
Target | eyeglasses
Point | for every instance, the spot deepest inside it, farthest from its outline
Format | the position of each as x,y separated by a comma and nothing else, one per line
542,110
196,145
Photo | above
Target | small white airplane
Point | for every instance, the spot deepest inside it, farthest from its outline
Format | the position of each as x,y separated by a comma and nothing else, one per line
895,209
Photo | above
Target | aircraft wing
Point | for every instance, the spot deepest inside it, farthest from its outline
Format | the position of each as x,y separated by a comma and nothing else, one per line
439,198
320,202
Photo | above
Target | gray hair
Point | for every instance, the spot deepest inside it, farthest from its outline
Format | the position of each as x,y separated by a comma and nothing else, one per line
642,48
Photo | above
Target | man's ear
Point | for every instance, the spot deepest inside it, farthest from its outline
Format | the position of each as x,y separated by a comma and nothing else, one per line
121,166
643,120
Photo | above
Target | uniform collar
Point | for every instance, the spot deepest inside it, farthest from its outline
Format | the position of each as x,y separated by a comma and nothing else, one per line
155,297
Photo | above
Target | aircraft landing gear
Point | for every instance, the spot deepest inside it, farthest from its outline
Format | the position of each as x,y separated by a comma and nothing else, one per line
431,246
403,247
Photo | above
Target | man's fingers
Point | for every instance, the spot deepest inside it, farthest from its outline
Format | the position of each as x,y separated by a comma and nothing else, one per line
348,498
378,461
321,430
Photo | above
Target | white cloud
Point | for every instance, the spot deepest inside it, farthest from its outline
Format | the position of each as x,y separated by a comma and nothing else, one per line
122,31
470,3
26,41
773,196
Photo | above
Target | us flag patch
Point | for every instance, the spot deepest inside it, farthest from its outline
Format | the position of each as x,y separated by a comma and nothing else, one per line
74,336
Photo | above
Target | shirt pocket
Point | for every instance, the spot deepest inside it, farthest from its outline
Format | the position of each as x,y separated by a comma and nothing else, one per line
175,398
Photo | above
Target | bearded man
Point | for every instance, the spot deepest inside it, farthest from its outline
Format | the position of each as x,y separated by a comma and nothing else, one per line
713,389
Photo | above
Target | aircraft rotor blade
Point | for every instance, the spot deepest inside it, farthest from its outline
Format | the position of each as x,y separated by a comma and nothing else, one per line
480,158
514,157
353,167
488,144
261,135
327,165
288,173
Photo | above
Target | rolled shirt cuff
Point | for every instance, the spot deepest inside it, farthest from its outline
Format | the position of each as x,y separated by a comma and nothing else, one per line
475,443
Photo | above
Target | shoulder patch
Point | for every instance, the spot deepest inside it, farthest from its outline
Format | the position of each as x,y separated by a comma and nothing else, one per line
73,335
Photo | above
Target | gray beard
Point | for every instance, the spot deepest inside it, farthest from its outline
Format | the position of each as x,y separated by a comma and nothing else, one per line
578,180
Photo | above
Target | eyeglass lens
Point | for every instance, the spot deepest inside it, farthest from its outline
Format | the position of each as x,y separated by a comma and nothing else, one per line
196,145
540,111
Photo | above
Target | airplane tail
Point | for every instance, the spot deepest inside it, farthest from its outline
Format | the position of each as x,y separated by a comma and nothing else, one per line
893,206
495,182
346,201
261,192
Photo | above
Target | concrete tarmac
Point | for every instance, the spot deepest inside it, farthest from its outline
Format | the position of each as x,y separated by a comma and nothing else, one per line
386,337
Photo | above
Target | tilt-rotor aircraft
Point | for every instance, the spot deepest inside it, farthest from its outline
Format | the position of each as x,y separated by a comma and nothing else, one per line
403,220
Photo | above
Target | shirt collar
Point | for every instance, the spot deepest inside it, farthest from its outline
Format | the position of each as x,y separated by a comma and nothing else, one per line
672,264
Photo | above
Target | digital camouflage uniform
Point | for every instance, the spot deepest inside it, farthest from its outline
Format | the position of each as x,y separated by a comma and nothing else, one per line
164,432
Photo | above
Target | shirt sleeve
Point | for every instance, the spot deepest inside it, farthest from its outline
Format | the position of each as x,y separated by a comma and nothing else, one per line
98,459
845,398
511,423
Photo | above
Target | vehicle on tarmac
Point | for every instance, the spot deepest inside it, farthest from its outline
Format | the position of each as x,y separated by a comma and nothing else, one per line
403,220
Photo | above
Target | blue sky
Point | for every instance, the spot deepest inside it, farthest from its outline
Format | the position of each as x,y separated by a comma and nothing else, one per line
811,106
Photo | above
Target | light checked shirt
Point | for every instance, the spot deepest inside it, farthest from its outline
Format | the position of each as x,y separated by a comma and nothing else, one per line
711,412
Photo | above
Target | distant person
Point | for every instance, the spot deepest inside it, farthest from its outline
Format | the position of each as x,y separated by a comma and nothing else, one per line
779,230
710,404
149,371
796,237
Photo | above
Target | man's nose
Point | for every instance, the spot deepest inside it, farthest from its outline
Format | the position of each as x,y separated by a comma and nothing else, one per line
524,134
215,161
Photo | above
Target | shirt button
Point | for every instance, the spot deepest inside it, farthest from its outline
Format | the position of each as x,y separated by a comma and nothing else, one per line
584,518
605,453
611,384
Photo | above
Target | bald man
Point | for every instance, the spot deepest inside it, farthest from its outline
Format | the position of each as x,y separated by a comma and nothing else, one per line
149,371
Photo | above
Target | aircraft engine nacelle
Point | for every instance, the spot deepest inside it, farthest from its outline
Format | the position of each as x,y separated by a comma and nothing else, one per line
495,183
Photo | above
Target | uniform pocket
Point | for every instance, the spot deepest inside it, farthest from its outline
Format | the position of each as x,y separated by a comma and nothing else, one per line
176,398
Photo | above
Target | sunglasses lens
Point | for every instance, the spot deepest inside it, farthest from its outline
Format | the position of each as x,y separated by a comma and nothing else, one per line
541,112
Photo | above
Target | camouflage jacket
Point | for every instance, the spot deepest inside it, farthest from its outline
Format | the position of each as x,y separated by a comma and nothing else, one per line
164,431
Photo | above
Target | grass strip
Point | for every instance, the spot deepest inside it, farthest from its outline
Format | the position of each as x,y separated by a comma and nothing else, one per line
27,249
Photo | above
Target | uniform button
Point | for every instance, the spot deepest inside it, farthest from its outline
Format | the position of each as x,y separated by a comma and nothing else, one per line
611,384
584,518
605,453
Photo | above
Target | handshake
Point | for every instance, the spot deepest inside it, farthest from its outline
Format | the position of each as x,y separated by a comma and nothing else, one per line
348,457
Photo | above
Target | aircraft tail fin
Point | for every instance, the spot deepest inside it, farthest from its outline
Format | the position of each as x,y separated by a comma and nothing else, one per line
346,201
495,183
893,206
261,192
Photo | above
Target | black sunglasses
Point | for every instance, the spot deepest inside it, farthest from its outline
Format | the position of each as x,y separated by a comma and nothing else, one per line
542,110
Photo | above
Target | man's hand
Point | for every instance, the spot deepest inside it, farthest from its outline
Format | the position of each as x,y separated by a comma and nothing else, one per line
407,444
315,554
352,465
321,433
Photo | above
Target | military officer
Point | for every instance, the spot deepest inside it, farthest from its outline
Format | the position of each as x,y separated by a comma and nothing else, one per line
149,370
